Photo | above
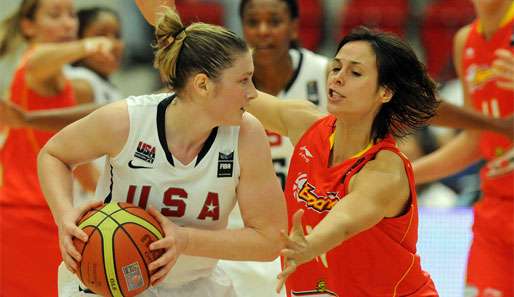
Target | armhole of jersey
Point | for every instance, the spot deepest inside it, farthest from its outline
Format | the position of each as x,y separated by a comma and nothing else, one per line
359,164
130,136
413,197
236,152
308,131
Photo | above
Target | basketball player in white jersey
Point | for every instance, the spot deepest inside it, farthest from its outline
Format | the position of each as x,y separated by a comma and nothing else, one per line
190,156
282,67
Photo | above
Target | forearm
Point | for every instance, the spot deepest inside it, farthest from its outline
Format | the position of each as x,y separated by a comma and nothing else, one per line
87,175
450,159
55,179
56,119
48,59
245,244
450,115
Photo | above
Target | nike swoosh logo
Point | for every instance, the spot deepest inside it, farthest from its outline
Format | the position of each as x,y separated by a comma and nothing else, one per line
136,166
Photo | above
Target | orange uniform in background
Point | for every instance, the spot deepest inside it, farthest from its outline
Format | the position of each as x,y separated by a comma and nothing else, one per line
491,257
29,243
380,261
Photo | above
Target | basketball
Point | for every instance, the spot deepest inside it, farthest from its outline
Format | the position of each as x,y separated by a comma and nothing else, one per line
116,256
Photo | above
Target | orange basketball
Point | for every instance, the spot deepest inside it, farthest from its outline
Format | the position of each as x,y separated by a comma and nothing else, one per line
116,256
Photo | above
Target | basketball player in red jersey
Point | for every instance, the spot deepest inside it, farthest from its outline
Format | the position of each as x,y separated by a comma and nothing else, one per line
30,249
477,46
347,177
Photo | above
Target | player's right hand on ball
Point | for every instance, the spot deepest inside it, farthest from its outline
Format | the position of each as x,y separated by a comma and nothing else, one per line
174,242
68,229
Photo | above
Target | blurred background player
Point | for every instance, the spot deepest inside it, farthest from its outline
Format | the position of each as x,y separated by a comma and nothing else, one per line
282,67
50,27
90,77
490,270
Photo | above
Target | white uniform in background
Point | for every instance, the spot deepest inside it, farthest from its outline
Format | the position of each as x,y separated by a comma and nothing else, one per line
104,92
200,194
308,82
258,279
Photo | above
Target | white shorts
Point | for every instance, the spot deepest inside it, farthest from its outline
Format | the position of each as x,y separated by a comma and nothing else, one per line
218,284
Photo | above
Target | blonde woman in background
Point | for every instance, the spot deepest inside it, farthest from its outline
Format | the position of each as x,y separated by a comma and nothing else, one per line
30,248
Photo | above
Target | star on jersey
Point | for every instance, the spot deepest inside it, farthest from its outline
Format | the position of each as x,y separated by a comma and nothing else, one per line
211,207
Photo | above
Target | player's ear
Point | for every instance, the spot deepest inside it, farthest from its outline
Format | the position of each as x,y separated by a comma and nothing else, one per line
201,84
386,94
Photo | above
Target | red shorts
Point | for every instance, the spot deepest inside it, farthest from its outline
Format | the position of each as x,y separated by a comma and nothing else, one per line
29,252
491,257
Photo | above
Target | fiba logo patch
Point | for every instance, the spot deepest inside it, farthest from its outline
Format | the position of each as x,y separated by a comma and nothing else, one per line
133,276
225,164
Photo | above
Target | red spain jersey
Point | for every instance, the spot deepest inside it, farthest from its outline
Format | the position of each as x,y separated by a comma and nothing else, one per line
19,153
486,97
380,261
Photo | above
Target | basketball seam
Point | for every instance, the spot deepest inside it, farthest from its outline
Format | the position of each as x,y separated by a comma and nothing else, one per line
134,243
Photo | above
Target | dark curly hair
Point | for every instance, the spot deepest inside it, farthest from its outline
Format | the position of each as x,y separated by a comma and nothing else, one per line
414,100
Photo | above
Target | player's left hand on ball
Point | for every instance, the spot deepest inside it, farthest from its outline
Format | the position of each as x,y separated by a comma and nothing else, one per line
164,263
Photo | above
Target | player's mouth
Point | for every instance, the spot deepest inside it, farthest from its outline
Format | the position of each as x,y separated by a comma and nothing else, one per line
335,96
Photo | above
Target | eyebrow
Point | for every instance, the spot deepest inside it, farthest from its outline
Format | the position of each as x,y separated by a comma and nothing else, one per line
353,62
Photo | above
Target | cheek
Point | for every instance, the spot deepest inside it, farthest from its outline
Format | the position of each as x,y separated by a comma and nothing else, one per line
250,36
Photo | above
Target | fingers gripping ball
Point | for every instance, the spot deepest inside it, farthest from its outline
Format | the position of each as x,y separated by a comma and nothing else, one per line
116,256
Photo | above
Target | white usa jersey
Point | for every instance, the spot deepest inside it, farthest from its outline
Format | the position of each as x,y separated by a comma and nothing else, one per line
200,194
308,82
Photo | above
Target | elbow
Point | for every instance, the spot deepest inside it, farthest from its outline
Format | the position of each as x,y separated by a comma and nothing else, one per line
275,246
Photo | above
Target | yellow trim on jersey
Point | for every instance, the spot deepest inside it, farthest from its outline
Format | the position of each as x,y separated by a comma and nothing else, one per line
506,18
395,290
331,140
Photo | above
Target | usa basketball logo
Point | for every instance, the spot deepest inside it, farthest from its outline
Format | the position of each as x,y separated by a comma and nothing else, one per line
145,152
